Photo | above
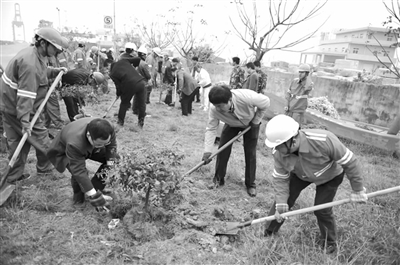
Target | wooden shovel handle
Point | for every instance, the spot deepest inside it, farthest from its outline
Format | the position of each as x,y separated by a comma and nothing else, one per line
218,151
319,207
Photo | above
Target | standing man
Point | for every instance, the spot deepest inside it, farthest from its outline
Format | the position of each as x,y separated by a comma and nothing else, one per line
144,71
252,79
195,63
187,86
204,81
297,95
152,62
238,109
302,157
262,78
86,138
80,56
23,88
237,75
129,82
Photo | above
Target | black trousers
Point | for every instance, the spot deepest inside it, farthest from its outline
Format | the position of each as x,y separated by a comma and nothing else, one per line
186,102
139,90
98,155
72,105
325,193
250,154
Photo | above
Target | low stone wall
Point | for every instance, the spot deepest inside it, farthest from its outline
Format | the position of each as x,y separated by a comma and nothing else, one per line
368,103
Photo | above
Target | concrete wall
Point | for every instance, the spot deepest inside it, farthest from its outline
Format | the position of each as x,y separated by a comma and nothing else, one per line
372,104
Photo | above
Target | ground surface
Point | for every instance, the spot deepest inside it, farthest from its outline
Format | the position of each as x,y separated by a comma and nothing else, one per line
39,224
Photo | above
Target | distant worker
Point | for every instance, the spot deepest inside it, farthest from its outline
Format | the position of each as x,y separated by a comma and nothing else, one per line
152,62
79,56
298,93
237,75
144,71
262,78
203,79
22,90
251,81
129,82
303,157
130,51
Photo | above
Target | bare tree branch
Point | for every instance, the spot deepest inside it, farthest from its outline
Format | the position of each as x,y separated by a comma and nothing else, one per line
281,20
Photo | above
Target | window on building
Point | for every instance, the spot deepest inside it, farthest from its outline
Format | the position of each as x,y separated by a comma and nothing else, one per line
343,49
329,49
385,53
389,39
361,36
355,50
335,49
369,36
345,36
353,36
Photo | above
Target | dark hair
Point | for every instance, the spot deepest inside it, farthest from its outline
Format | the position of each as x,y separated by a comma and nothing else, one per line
250,65
220,94
128,50
81,45
100,129
195,58
236,60
257,63
175,60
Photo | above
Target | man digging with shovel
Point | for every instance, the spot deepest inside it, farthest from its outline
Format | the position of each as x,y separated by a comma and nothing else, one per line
238,109
302,157
22,90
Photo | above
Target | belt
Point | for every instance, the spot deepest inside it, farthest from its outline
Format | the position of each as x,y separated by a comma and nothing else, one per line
207,85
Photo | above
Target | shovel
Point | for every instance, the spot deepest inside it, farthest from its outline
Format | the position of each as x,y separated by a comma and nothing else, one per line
217,152
109,108
6,188
232,228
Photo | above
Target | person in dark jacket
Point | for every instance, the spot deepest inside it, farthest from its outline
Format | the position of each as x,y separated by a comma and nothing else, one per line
86,138
144,71
129,82
188,88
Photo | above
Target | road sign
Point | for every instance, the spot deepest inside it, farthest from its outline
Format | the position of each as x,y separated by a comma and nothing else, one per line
108,22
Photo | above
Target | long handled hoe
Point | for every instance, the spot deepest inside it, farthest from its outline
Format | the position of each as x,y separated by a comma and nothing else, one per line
232,228
6,188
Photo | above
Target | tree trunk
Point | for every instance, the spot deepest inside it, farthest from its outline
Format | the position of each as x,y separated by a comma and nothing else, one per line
146,204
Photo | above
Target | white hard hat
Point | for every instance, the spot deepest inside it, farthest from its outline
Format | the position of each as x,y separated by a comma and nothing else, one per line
142,49
157,51
280,129
103,50
111,49
131,45
304,68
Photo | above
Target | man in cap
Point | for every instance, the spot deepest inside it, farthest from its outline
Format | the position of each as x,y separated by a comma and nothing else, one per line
298,93
302,157
238,109
152,62
22,89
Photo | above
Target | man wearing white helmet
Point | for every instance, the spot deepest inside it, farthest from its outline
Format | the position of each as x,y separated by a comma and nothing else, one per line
298,93
144,71
23,88
130,51
302,157
152,61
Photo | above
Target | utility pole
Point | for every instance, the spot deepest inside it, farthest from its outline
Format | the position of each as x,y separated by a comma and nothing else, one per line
59,21
114,23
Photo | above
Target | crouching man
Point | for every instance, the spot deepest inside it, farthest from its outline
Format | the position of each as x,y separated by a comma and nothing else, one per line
86,138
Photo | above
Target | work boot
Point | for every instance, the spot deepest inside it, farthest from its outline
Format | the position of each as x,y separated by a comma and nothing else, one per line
79,198
24,176
141,122
218,181
252,192
328,247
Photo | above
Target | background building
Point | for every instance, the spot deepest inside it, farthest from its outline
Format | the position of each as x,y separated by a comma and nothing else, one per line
357,45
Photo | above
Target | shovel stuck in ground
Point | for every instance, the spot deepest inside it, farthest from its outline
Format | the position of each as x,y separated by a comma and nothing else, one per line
109,108
6,188
232,228
217,152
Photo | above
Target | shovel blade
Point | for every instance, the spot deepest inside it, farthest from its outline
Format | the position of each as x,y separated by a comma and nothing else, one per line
232,228
5,192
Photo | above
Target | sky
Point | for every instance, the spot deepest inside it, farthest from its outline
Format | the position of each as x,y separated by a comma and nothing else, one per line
89,14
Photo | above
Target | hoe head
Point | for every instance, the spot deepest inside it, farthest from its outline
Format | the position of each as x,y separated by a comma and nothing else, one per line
232,228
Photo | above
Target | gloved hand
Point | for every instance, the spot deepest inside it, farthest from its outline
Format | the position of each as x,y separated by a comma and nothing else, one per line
63,69
25,124
255,129
98,201
280,208
359,196
206,158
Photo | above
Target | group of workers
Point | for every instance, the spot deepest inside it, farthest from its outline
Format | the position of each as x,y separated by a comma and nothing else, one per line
301,156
